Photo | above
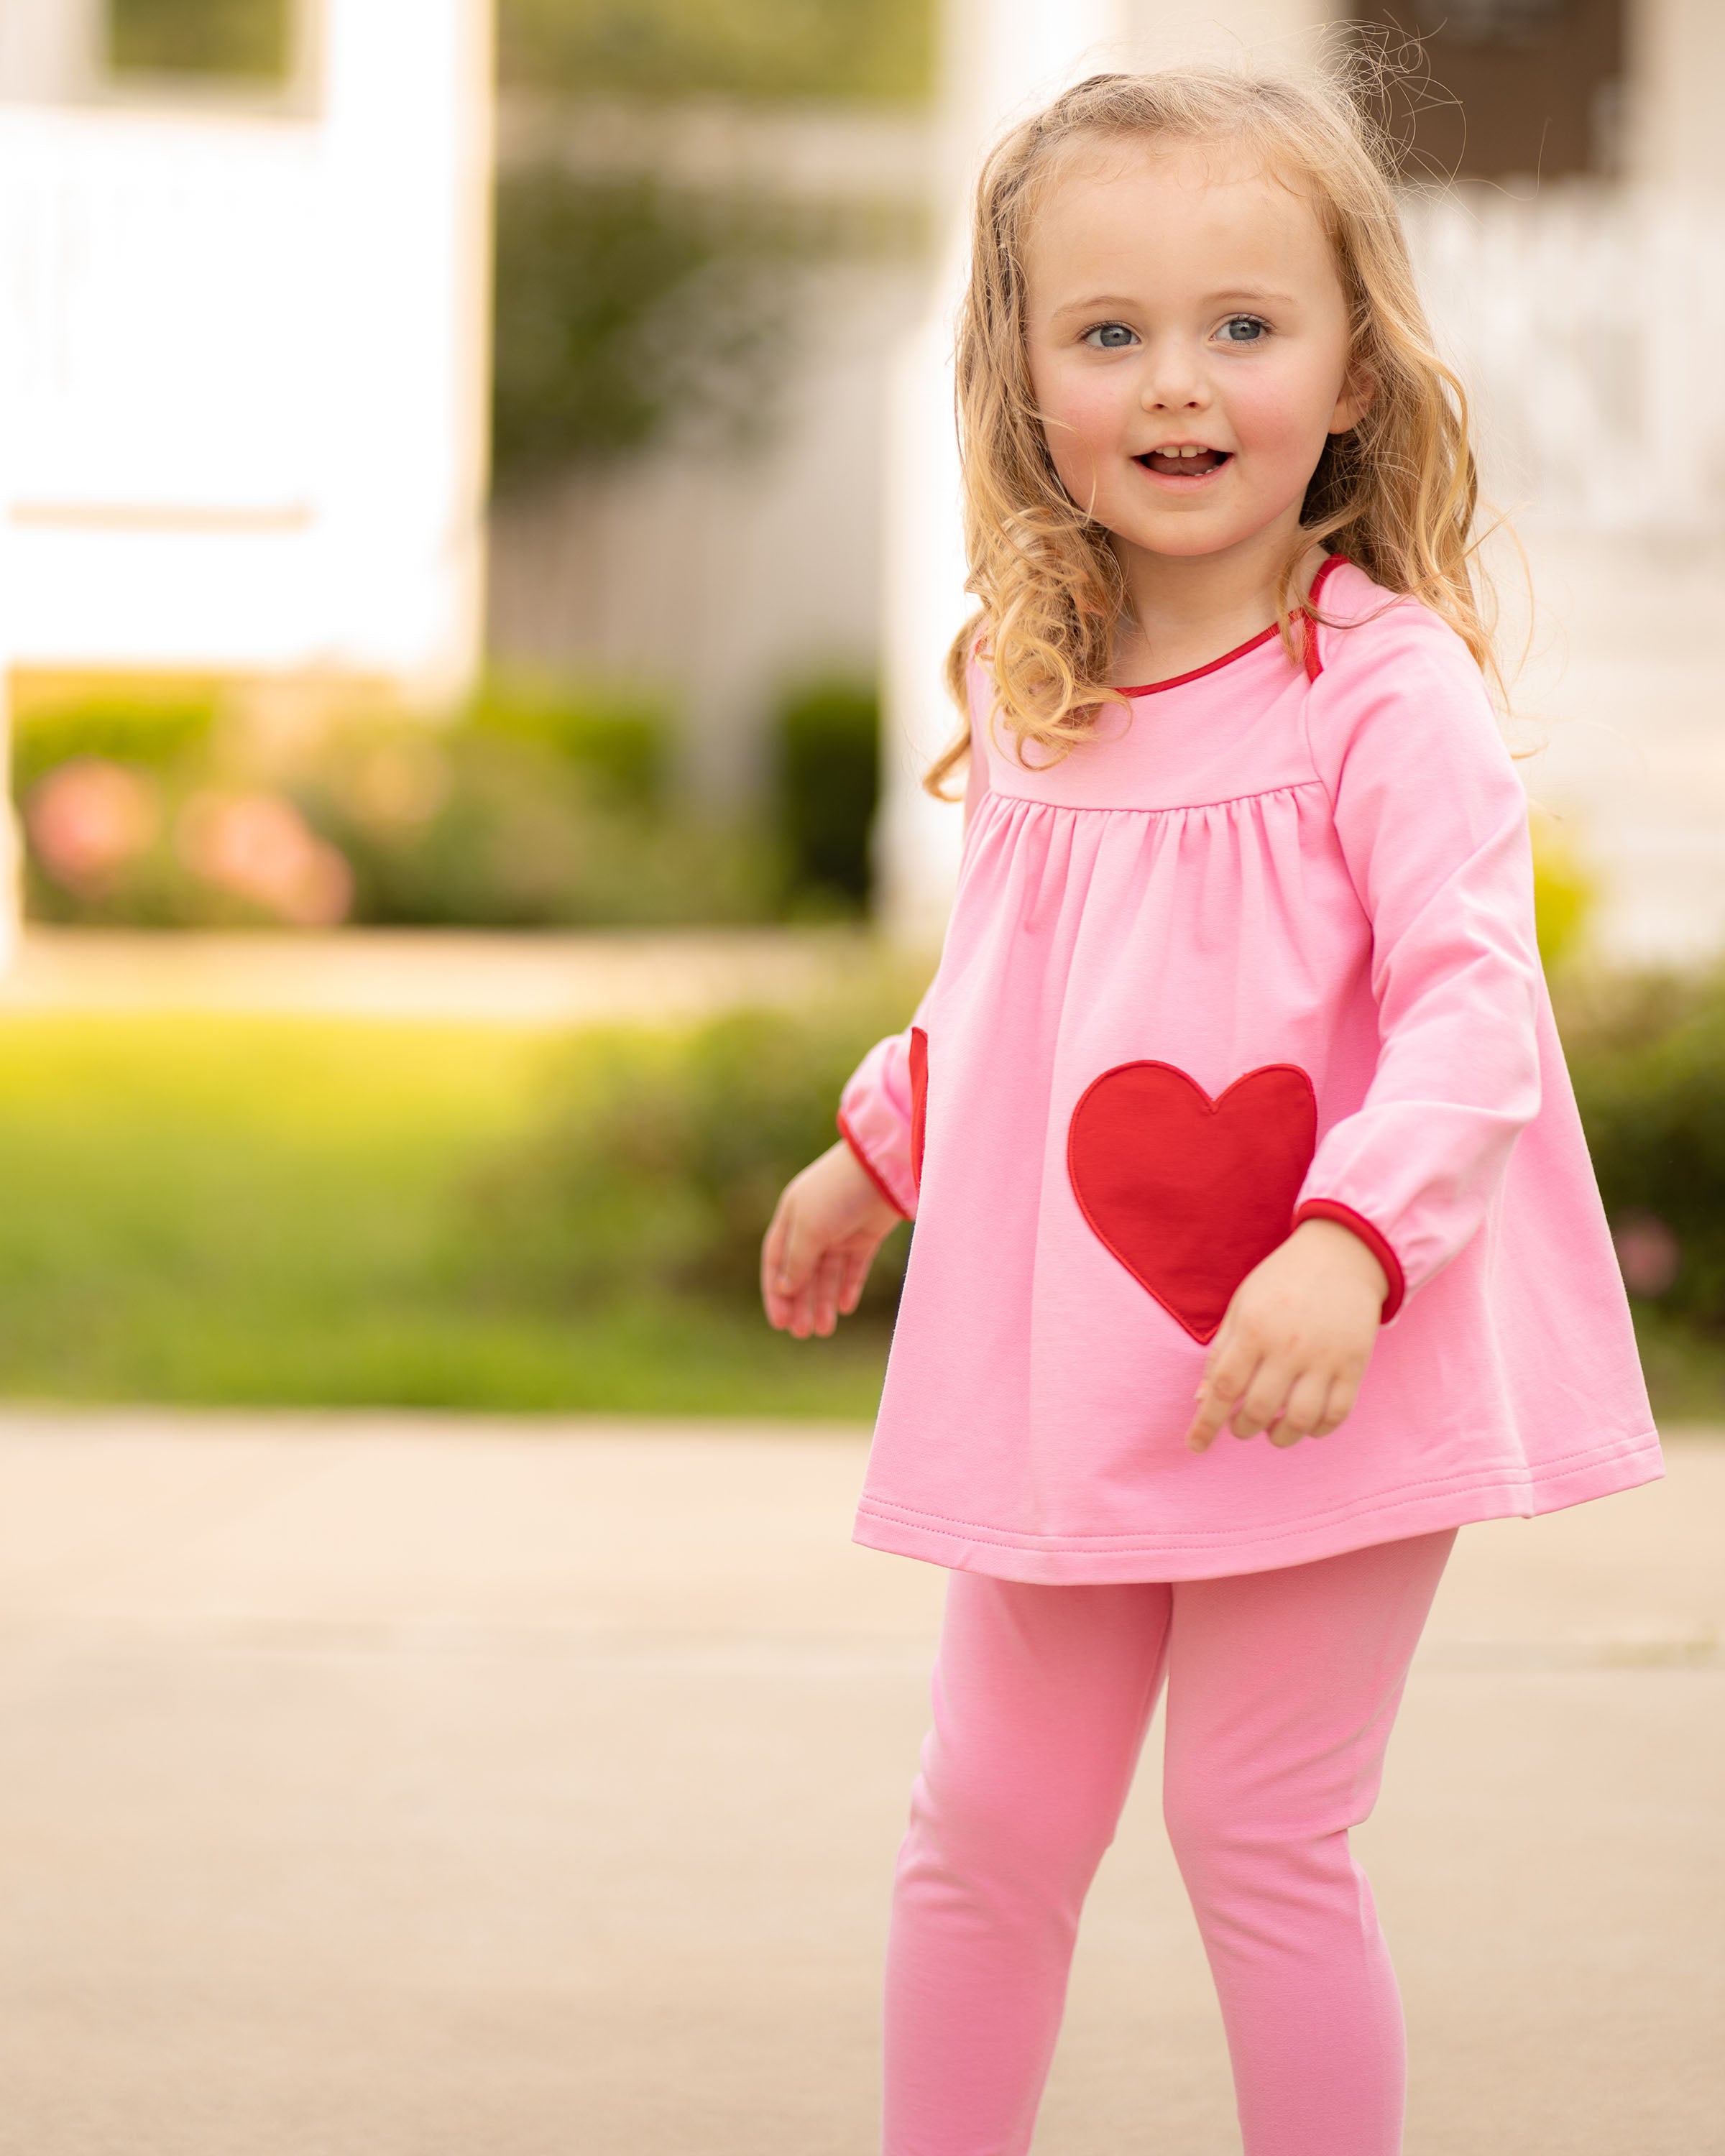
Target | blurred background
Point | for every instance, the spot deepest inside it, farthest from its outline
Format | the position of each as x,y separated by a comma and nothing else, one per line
477,537
477,541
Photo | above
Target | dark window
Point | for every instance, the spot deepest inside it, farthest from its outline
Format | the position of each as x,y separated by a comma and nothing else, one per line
242,40
1506,86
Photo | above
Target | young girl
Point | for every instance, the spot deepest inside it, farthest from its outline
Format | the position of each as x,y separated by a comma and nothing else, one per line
1237,1080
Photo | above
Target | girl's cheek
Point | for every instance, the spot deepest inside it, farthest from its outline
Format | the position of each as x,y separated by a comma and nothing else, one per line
1078,450
1274,418
1088,401
1265,420
1087,428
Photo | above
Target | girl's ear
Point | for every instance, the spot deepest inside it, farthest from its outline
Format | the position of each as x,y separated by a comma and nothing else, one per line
1359,387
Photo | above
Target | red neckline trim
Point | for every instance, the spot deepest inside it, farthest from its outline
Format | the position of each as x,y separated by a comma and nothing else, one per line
1239,650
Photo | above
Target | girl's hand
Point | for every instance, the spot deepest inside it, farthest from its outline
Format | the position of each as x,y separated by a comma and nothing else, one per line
1296,1340
824,1232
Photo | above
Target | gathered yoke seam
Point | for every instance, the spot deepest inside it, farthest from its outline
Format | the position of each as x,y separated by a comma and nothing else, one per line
1171,808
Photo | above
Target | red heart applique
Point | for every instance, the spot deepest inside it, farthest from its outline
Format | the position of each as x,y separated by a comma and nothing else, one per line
1189,1193
919,1101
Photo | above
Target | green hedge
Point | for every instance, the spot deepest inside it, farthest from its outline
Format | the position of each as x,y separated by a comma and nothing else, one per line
1650,1078
540,808
544,805
620,741
159,728
657,1162
827,788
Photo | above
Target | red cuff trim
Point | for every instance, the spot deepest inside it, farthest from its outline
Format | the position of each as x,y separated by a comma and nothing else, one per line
868,1166
1327,1209
919,1101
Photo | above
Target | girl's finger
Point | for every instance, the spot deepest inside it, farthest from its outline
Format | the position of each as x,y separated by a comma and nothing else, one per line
792,1253
772,1258
856,1273
1226,1376
1338,1405
799,1297
828,1278
1304,1410
779,1304
1329,1419
1263,1401
1208,1416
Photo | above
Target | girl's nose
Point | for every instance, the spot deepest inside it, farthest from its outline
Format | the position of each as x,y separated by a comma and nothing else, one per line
1172,381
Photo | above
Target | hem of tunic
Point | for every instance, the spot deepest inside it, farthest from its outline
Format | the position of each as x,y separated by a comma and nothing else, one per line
1077,1560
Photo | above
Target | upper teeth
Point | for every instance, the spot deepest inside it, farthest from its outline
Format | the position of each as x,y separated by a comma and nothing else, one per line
1186,450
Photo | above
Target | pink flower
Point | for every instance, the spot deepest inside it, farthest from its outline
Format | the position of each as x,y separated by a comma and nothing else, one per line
88,818
260,848
1648,1253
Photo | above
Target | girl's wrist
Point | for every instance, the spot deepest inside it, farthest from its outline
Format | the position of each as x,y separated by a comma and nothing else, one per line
1340,1246
841,1165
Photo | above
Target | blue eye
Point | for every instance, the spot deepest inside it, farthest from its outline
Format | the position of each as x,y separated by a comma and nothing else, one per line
1110,337
1244,329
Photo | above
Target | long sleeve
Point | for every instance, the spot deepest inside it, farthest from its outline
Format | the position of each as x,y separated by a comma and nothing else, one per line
880,1111
1433,827
877,1117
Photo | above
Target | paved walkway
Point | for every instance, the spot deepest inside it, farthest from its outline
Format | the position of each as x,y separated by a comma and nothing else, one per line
599,975
395,1786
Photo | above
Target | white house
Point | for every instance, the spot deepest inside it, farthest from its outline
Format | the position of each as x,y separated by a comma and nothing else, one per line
243,352
242,392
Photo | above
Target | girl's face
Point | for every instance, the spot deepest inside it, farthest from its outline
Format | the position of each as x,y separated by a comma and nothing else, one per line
1188,338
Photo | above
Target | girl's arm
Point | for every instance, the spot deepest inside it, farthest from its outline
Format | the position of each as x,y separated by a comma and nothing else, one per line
824,1234
1433,825
877,1120
834,1215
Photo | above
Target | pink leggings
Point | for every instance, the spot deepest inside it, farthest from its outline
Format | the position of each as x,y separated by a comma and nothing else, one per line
1282,1689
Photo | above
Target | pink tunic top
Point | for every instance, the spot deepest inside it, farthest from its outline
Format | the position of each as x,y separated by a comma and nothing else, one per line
1262,950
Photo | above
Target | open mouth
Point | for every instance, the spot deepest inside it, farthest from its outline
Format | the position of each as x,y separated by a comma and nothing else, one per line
1175,463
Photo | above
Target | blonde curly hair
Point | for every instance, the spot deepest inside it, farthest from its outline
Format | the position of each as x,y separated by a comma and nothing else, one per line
1398,493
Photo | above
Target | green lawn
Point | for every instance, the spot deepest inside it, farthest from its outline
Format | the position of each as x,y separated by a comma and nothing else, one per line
253,1211
258,1210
